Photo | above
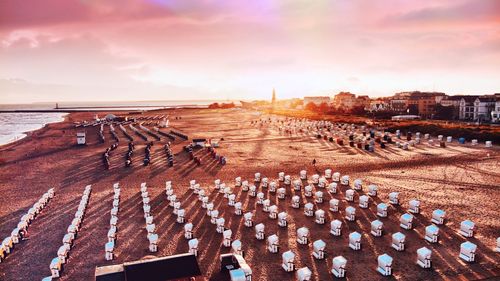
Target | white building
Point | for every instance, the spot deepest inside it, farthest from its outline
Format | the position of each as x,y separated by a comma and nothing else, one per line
477,108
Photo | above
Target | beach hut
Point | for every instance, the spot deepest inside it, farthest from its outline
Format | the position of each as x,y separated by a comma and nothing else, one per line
188,230
308,209
303,274
281,176
358,184
281,193
253,190
288,258
398,241
302,235
237,208
449,139
177,206
336,177
204,201
231,199
245,186
432,233
303,175
394,198
344,180
414,206
264,183
363,201
210,208
332,188
226,237
319,249
336,227
355,241
237,182
424,257
214,215
349,195
473,142
350,213
318,197
80,138
406,221
295,202
488,144
319,216
297,185
322,182
328,174
308,191
217,183
315,179
55,267
112,234
272,187
193,246
153,242
273,212
287,180
257,177
498,245
63,251
259,231
467,228
260,198
265,205
283,219
438,216
384,264
334,205
108,247
248,217
338,266
191,184
377,227
272,243
220,225
236,247
468,251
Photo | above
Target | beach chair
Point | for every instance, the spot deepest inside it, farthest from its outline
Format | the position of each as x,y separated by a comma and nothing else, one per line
376,228
302,235
355,241
319,249
398,241
384,264
424,257
338,266
283,219
272,243
288,259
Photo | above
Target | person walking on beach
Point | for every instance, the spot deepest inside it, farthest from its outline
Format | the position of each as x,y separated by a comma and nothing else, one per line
314,162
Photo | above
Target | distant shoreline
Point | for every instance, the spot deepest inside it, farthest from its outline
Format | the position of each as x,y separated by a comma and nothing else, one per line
103,108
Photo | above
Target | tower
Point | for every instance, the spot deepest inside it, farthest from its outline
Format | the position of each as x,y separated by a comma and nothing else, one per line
274,97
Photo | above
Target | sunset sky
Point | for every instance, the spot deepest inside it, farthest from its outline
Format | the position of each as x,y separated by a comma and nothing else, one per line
64,50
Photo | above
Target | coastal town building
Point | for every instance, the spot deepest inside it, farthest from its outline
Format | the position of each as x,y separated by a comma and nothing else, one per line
344,100
317,100
379,104
477,108
416,102
495,114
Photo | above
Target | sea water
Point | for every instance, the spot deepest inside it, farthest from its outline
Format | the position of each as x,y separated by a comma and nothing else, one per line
13,126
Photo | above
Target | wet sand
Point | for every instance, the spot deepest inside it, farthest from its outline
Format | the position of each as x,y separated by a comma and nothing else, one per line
462,180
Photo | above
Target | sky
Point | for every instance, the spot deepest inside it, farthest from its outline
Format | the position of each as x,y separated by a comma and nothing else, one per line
87,50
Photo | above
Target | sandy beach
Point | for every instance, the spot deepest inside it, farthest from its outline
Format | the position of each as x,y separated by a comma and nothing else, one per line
461,179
